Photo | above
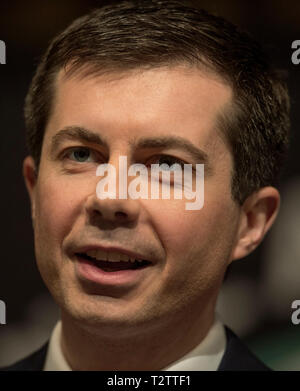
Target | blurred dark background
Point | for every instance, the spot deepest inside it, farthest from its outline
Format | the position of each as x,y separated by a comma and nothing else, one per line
257,295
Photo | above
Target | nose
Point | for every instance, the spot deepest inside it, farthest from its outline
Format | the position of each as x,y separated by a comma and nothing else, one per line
113,210
117,209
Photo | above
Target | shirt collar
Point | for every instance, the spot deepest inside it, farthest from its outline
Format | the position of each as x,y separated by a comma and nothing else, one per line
55,360
204,357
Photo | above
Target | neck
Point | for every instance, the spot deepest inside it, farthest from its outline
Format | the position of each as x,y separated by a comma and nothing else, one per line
151,349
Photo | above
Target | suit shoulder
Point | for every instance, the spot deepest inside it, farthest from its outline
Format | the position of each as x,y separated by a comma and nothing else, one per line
33,362
238,357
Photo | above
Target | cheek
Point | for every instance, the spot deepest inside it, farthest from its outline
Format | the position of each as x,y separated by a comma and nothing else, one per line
197,242
183,230
58,205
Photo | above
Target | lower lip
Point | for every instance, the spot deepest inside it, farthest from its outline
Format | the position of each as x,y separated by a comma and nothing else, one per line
88,271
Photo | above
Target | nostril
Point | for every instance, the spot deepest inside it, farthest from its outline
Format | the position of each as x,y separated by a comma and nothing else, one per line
120,214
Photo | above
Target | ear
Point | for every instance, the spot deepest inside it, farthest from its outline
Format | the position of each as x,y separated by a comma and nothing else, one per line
258,213
30,177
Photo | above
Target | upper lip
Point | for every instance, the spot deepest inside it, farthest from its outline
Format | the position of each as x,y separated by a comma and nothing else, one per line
130,253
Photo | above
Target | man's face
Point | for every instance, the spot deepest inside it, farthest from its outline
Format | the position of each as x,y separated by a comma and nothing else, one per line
188,249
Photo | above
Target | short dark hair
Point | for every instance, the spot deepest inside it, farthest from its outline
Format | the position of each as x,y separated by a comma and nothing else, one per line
142,34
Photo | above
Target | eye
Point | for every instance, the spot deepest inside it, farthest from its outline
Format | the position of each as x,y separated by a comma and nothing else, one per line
169,163
80,154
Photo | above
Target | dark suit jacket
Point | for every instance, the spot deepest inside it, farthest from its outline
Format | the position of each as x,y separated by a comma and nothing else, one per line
237,357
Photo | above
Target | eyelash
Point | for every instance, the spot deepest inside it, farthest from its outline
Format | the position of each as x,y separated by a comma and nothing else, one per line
74,149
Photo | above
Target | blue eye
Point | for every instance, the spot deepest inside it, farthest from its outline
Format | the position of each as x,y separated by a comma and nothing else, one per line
80,154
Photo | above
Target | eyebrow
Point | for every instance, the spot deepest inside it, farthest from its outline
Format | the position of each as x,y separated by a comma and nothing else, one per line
174,142
162,142
76,133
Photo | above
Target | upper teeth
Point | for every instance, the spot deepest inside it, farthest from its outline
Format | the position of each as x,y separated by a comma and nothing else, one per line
111,256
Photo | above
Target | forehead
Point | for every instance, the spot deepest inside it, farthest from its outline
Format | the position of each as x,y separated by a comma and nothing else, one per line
178,101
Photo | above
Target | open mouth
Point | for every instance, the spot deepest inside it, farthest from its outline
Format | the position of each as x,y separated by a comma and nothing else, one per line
112,266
